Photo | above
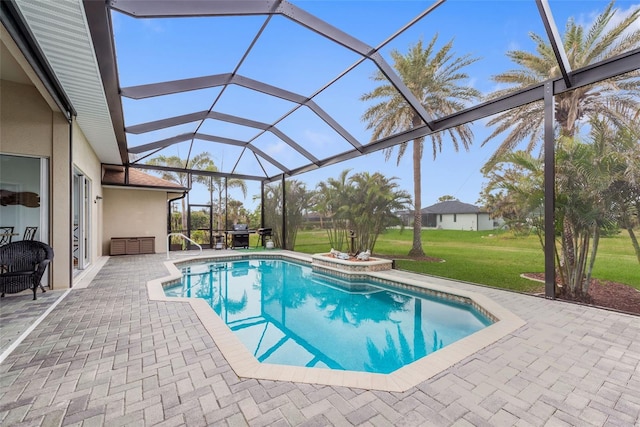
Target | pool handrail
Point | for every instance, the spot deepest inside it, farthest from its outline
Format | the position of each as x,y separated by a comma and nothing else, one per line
184,237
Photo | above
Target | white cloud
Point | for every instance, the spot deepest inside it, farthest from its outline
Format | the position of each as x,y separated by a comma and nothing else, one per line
624,13
318,139
276,148
586,19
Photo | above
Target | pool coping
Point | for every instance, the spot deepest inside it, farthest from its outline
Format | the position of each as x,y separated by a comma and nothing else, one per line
245,365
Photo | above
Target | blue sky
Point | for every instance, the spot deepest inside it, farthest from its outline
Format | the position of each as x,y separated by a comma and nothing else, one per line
293,58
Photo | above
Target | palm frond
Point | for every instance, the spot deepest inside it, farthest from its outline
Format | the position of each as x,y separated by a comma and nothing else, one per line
615,99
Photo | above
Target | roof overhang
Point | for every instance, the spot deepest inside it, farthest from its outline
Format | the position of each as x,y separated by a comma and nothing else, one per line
60,31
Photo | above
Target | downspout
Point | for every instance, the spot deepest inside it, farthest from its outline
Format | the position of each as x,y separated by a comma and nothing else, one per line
70,121
184,194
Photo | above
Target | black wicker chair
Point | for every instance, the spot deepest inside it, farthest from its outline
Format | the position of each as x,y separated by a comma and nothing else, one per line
22,265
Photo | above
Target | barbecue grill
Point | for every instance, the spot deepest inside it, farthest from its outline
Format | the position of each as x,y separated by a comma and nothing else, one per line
239,236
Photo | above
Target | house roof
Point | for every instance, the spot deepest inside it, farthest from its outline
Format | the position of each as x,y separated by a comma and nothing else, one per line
117,176
451,207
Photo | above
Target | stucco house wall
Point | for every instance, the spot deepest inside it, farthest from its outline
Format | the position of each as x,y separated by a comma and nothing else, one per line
456,215
27,121
32,125
134,213
86,162
29,127
485,222
480,221
457,221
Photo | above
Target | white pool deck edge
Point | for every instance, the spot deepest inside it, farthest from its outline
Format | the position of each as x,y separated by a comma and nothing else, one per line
246,365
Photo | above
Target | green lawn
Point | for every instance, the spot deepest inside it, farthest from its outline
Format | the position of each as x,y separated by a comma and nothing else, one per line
494,258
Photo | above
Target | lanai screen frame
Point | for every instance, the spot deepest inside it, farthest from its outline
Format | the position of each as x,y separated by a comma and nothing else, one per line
99,21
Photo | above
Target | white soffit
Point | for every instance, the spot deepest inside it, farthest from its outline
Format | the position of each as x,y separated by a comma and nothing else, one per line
61,31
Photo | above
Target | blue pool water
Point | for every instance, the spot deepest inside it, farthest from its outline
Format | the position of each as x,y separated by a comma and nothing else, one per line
285,313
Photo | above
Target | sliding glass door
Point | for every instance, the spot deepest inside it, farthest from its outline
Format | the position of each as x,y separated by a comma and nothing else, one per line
81,221
24,198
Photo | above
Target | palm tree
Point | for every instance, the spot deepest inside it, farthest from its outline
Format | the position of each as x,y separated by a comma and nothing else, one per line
197,162
298,200
615,99
373,199
331,196
216,185
363,203
622,148
593,193
433,77
514,191
584,209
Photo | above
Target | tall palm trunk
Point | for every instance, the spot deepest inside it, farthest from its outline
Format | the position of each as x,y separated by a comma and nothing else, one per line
184,217
436,78
416,249
220,225
628,225
337,233
592,260
568,251
634,242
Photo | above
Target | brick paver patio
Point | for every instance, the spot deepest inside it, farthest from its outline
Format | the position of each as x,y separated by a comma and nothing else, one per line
106,355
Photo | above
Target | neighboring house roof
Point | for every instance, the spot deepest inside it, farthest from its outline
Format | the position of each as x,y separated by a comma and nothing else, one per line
116,176
452,207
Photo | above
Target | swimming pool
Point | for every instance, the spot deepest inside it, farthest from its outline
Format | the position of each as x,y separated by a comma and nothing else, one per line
286,313
245,365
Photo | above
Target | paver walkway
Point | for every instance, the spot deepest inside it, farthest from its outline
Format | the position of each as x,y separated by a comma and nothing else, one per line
106,355
18,312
